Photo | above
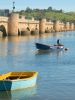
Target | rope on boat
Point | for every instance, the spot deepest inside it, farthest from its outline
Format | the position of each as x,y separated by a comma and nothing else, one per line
20,76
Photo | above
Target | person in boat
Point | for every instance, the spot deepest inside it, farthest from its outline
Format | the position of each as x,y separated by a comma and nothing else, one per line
58,42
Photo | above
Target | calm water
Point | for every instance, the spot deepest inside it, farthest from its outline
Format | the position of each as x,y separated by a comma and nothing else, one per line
56,79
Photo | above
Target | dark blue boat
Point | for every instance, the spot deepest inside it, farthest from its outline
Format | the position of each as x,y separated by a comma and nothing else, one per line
40,46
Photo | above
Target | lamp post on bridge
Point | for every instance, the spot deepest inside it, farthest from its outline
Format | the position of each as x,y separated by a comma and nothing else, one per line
13,6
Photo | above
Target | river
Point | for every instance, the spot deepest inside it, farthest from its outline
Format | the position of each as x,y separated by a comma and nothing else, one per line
56,78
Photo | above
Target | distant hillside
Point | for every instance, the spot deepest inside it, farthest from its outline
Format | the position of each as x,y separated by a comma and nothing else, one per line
49,14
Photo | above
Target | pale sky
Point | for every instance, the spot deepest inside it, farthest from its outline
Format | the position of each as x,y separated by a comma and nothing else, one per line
66,5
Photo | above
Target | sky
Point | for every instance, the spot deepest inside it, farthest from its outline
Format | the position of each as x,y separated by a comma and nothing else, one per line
66,5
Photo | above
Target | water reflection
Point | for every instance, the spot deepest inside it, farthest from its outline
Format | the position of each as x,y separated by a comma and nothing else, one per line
44,35
40,52
69,34
11,45
50,52
18,94
3,46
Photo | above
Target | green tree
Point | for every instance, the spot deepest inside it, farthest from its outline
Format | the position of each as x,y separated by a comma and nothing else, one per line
28,10
49,9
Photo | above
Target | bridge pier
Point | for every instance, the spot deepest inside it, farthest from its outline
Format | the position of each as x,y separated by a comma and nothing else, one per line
67,26
42,25
57,26
13,24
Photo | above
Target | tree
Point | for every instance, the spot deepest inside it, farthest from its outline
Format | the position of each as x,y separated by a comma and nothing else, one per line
28,10
49,9
60,10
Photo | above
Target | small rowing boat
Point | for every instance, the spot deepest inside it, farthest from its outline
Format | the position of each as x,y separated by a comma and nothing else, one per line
17,80
48,47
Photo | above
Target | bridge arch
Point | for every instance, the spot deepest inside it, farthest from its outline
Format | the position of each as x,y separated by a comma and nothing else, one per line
28,28
3,30
34,31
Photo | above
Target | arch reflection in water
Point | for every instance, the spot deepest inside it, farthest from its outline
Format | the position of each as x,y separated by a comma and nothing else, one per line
18,94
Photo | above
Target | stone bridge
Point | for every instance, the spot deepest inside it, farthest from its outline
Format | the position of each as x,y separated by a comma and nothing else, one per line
19,25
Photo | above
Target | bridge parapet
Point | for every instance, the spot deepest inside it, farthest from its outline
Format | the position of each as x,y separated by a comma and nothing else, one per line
49,23
29,21
3,19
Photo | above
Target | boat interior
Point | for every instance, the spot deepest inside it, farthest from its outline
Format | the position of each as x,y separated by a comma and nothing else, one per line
17,75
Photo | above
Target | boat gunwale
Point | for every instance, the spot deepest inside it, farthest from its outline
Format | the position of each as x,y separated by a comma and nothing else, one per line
18,79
